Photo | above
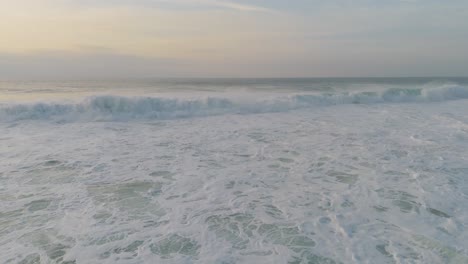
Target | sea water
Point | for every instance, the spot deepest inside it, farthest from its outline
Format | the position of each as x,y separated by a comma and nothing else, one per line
234,171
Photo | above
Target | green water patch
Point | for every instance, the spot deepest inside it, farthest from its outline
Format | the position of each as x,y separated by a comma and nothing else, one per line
343,177
406,206
51,163
230,185
175,244
259,137
162,174
274,166
33,258
287,236
132,189
347,204
54,246
380,209
38,205
383,249
325,220
437,212
404,201
259,253
285,160
236,228
273,211
292,152
447,253
239,229
136,198
51,172
311,258
111,237
129,249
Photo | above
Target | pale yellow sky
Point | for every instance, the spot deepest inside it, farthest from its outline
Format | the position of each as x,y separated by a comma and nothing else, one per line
233,38
141,31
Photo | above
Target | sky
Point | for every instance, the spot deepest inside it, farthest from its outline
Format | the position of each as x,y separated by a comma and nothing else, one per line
79,39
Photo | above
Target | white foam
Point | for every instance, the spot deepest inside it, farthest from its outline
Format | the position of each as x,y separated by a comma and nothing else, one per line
376,182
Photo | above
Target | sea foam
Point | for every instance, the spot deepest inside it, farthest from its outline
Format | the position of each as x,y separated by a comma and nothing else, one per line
370,176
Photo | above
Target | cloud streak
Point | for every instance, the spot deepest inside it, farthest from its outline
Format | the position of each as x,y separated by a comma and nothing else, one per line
162,4
229,5
235,6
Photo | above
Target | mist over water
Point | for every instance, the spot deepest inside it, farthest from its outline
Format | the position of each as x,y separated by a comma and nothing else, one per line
234,171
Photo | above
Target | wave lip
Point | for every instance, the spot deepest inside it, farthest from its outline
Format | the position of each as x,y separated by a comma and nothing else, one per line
118,107
111,108
446,93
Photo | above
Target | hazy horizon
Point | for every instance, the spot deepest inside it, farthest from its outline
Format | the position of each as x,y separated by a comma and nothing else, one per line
224,78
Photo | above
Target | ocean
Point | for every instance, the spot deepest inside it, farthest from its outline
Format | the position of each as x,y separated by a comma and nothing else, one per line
325,170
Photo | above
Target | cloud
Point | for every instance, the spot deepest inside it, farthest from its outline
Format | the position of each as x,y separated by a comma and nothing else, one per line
230,5
234,5
163,4
56,64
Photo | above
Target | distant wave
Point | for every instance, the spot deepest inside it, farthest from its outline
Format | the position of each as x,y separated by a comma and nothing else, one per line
115,108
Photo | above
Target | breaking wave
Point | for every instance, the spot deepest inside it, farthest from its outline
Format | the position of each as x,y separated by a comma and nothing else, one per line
109,107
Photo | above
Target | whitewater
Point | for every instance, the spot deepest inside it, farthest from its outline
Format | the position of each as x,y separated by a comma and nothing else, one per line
234,171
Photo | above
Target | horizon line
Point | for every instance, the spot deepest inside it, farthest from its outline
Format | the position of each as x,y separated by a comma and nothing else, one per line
226,78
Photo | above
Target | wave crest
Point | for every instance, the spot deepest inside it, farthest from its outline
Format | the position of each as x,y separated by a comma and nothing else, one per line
107,108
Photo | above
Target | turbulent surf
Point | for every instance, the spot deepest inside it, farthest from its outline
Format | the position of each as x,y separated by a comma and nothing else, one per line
234,171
